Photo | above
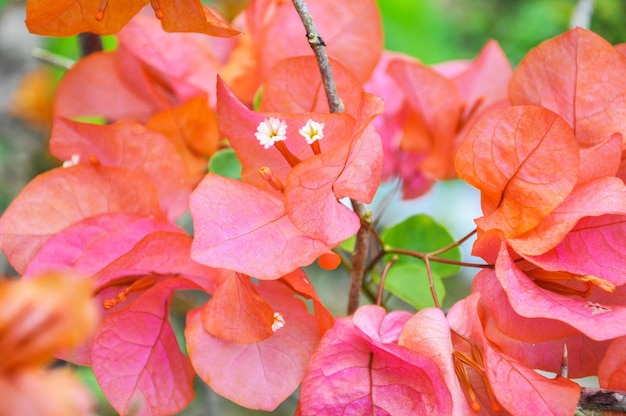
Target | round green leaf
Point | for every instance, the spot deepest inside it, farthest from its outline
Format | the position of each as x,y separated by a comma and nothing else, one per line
225,163
422,233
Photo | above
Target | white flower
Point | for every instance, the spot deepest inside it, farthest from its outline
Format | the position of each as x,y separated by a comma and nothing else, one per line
312,131
271,131
73,161
279,321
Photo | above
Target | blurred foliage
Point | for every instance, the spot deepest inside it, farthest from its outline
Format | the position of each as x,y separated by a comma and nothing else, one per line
435,31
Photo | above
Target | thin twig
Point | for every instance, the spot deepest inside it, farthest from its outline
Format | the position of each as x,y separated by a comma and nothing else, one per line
431,282
422,256
335,105
319,49
383,277
455,244
53,59
359,258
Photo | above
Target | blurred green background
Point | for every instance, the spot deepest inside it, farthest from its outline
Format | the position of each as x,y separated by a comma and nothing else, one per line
432,30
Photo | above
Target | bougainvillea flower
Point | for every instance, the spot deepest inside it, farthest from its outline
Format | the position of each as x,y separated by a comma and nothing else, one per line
149,71
531,205
251,343
135,293
292,210
104,17
429,110
129,145
508,383
509,156
38,318
537,342
236,312
562,295
359,368
428,333
579,76
351,30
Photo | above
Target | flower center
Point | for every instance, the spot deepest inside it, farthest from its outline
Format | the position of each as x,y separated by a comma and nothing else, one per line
273,132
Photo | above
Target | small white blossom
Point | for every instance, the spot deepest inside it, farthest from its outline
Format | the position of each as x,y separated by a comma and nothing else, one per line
312,131
271,131
279,321
73,161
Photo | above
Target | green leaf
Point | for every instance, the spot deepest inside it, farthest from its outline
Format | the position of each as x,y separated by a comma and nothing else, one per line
349,244
422,233
225,163
409,282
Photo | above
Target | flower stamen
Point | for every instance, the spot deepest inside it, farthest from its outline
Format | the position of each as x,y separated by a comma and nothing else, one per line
101,9
549,280
139,284
273,132
269,177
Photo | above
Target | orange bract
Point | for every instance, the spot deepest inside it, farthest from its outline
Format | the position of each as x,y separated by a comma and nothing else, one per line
39,318
106,17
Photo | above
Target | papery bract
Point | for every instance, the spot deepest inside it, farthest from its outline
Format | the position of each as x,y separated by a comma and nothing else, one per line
309,215
390,125
601,241
238,124
243,228
192,129
159,254
295,86
237,313
38,318
358,368
434,111
150,71
531,301
352,31
441,102
578,75
349,163
428,334
517,388
85,89
63,196
70,17
128,145
482,82
612,372
136,358
537,342
88,246
257,375
510,156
